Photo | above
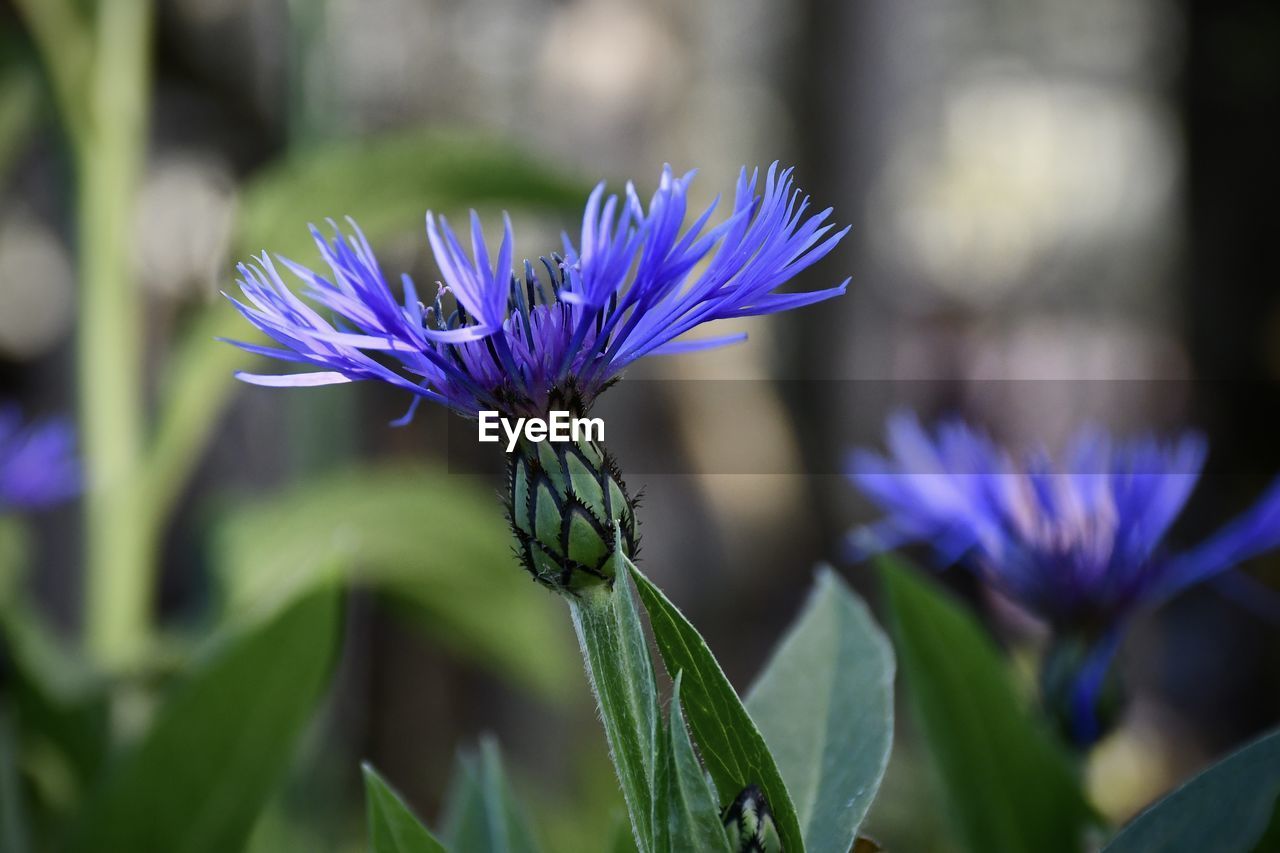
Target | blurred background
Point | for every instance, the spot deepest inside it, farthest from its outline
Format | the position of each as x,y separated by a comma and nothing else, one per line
1060,212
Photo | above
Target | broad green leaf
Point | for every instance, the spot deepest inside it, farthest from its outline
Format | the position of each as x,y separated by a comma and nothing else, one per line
435,543
732,747
621,674
482,815
686,810
1008,785
386,184
197,780
1226,808
824,704
393,828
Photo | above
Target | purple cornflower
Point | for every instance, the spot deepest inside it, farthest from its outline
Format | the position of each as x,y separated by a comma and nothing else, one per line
632,285
38,466
1078,542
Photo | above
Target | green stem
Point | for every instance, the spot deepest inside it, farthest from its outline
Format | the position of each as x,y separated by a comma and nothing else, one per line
621,674
120,544
100,72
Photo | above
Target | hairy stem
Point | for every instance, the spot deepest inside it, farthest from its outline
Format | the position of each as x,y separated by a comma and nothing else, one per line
620,670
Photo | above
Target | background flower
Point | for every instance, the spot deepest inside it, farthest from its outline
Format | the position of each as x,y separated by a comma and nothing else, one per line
38,466
1079,541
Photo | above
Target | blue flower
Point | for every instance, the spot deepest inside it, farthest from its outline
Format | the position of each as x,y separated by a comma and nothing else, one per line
1078,541
635,282
38,465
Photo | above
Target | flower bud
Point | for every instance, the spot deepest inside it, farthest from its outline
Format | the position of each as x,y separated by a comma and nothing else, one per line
749,824
1081,691
569,511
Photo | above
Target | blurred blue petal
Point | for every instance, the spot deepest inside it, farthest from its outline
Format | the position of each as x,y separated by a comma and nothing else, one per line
38,464
1077,540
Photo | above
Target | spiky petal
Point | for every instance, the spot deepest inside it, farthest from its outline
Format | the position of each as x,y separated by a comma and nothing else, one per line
634,283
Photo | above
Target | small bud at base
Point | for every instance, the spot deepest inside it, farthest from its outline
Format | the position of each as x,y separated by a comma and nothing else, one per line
749,823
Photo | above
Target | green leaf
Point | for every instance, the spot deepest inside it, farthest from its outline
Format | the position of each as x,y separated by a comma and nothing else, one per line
505,814
1007,783
686,812
732,747
1227,807
392,826
386,183
465,827
197,780
434,543
621,673
824,704
482,814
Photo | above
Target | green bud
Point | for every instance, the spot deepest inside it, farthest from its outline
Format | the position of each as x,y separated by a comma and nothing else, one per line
1083,717
749,824
569,510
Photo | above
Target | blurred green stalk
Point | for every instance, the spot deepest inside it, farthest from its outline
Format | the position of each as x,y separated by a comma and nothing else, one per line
119,567
100,70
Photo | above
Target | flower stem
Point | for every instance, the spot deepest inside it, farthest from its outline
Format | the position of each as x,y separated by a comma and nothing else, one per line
100,69
620,670
120,559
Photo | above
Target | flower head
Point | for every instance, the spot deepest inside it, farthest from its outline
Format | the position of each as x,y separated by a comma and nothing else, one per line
1078,541
38,466
635,281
